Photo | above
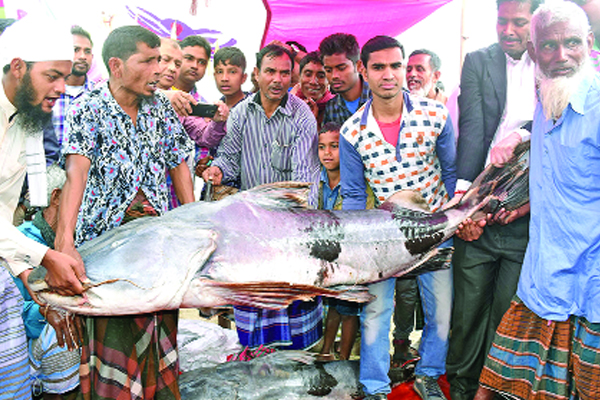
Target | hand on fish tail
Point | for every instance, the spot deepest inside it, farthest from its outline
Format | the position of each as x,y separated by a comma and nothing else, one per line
498,188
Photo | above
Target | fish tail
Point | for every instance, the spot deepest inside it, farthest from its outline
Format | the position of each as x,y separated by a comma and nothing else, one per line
500,187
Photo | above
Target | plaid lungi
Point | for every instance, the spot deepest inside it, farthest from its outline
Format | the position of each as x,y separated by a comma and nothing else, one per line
533,358
131,357
299,326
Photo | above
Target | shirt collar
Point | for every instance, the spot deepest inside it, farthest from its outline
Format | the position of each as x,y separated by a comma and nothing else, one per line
525,59
143,106
282,105
325,179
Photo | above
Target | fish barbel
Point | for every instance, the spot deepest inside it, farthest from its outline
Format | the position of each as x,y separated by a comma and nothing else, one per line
261,247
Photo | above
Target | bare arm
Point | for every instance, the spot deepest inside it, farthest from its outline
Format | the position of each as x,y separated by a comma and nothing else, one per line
182,181
77,167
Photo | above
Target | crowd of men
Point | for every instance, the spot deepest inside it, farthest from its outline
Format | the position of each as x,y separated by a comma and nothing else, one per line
515,315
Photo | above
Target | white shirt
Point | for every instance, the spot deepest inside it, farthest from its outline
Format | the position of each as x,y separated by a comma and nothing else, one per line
520,99
19,251
519,107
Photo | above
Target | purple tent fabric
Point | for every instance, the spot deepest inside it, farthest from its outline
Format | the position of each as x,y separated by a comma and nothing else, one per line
309,21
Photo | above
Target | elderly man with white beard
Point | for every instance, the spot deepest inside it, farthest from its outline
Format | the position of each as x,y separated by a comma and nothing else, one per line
548,343
423,73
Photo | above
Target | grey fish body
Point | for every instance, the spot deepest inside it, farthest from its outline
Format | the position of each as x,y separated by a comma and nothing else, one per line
275,376
260,248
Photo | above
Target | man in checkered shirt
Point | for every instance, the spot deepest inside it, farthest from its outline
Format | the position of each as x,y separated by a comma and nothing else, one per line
398,141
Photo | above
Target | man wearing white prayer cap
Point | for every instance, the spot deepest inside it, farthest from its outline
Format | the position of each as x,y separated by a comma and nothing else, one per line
35,57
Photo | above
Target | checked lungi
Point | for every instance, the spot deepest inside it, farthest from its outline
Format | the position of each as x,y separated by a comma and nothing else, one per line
131,357
534,358
297,327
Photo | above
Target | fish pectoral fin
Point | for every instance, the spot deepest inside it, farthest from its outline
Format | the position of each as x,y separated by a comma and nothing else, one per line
406,199
435,260
284,195
269,295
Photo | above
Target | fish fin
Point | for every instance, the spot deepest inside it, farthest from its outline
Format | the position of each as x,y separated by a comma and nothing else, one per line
440,259
269,295
406,199
285,195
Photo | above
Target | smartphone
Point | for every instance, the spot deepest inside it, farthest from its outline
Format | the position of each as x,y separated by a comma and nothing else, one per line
204,110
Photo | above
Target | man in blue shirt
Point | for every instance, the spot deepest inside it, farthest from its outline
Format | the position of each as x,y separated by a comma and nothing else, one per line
396,142
340,54
549,339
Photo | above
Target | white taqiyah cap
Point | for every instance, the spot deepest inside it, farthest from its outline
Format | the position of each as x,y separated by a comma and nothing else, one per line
36,38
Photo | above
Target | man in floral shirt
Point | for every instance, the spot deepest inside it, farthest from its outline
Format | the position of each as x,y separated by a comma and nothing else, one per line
120,140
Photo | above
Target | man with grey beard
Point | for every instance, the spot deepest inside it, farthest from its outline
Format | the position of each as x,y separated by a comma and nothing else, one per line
34,71
423,73
548,342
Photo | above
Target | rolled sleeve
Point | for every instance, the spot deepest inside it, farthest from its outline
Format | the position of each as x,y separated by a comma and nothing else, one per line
305,161
230,150
204,133
20,252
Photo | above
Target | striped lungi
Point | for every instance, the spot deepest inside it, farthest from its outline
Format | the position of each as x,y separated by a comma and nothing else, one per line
56,368
297,327
534,358
15,380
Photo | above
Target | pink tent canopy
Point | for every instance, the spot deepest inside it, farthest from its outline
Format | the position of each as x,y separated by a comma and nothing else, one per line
309,21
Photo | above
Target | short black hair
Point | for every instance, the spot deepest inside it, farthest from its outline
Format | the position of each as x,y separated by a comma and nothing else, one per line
272,50
195,40
377,43
330,127
230,55
77,30
123,41
340,43
434,60
313,56
534,3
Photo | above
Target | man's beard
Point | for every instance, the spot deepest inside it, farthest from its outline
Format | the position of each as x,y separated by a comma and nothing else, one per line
31,118
424,90
77,72
555,93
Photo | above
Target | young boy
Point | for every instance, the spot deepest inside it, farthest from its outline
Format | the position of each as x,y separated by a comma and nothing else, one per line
345,312
230,74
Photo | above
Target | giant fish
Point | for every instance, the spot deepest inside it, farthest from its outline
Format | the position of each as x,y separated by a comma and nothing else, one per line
262,247
279,375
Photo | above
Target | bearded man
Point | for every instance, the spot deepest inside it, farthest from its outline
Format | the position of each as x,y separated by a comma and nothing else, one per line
548,343
423,73
34,71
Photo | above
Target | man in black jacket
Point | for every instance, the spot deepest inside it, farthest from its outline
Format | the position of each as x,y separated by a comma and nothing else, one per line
497,99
